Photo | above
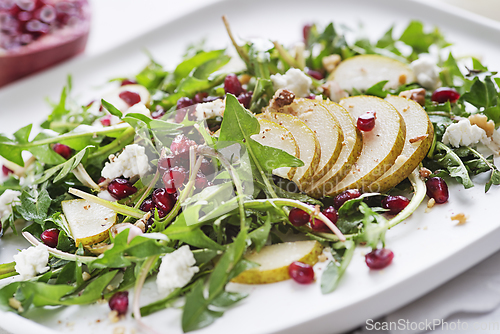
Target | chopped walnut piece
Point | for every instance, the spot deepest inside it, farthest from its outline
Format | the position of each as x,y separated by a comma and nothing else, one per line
430,205
282,98
460,217
86,276
417,95
482,122
119,330
417,139
322,257
330,62
113,316
402,78
424,172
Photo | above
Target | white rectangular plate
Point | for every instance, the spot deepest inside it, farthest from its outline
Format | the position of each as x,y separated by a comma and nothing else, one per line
429,248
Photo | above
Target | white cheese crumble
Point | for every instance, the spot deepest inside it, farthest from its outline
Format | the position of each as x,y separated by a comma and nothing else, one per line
131,162
293,80
426,71
106,196
6,199
176,270
31,261
463,134
210,109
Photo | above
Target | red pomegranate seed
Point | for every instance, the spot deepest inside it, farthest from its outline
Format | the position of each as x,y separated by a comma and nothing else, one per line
207,167
311,97
183,107
437,189
200,97
201,181
344,196
173,178
128,82
245,99
119,302
366,122
147,205
6,171
232,85
301,273
35,26
158,113
46,14
184,102
395,204
319,226
50,237
181,145
444,94
105,120
129,97
163,200
27,5
63,150
315,74
298,217
24,16
379,258
101,180
305,32
121,188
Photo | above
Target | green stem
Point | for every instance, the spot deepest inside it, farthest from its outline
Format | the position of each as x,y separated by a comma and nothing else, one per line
143,274
117,207
238,48
116,144
7,270
286,56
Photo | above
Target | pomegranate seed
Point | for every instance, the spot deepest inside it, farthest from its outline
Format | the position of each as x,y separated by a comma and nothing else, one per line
63,150
50,237
437,189
27,5
46,14
301,273
168,162
200,97
298,217
128,82
207,167
147,205
245,98
25,39
395,204
173,178
183,107
305,32
6,171
101,180
181,145
344,196
444,94
315,74
201,181
184,102
35,26
311,97
163,200
129,97
319,226
119,302
105,120
121,188
158,113
24,16
366,122
232,85
379,258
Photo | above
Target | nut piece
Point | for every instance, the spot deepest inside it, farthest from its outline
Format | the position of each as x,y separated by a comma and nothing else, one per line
460,217
482,121
417,139
113,317
424,172
330,62
417,95
281,98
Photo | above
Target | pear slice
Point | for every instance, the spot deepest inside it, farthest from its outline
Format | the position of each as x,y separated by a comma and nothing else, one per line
381,146
419,136
274,135
351,148
309,147
88,222
275,259
363,71
324,125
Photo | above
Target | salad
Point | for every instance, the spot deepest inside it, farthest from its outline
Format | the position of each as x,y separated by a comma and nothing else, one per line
201,174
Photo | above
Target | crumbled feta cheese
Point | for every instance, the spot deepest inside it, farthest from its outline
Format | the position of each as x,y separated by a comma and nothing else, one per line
6,199
176,270
330,62
333,91
426,71
210,109
131,162
463,134
294,80
31,261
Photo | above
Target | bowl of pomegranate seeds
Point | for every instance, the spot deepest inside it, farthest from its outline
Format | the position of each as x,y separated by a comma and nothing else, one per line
36,34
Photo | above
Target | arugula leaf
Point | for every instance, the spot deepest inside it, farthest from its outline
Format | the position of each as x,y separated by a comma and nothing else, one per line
378,89
34,206
200,59
111,108
481,94
260,235
420,41
152,75
196,313
333,272
450,74
92,292
479,164
191,234
63,169
453,164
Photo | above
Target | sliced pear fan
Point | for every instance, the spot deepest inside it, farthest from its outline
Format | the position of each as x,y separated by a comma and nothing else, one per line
324,125
275,259
419,136
309,148
381,146
363,71
274,135
88,222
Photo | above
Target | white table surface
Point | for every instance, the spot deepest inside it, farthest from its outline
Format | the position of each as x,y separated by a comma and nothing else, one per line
116,21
